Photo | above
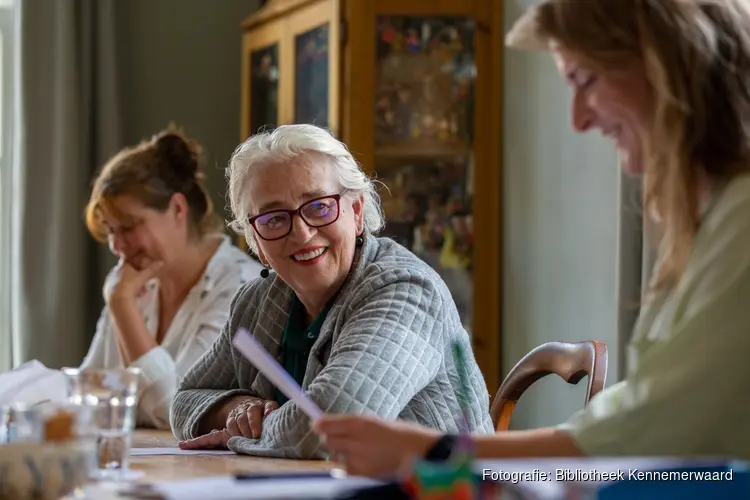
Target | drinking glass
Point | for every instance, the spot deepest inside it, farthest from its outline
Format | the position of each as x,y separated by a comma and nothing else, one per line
108,398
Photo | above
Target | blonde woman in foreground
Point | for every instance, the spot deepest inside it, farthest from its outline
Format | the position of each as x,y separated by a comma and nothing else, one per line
666,81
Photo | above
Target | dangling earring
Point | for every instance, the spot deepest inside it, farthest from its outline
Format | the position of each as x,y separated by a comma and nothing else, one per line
265,272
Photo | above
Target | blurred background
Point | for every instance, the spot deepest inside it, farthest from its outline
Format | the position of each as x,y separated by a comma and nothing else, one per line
532,227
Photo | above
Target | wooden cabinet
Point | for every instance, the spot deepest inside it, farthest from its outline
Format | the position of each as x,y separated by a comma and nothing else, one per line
414,87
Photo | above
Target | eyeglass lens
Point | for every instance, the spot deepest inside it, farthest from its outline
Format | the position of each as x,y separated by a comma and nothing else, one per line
316,213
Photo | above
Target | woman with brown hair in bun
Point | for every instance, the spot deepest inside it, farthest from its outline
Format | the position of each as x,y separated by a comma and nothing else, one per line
168,297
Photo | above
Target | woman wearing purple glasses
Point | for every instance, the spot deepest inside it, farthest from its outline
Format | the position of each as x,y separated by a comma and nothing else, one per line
361,323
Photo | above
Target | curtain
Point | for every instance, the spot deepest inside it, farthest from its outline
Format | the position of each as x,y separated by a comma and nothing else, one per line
7,84
67,124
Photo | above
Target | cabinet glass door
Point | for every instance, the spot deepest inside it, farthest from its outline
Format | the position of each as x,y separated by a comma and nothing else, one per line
424,142
311,76
263,82
315,57
264,88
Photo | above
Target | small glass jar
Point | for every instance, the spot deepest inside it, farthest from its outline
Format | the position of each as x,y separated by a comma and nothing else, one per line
5,423
25,424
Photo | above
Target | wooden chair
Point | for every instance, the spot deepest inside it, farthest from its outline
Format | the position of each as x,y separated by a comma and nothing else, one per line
571,361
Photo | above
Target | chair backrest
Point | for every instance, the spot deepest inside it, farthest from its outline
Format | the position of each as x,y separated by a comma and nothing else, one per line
571,361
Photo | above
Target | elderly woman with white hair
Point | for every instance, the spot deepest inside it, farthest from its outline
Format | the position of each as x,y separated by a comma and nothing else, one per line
361,323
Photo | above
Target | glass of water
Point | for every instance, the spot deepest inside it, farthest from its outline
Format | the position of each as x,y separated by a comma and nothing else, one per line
108,400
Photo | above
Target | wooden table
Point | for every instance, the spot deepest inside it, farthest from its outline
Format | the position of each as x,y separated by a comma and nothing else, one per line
157,468
173,467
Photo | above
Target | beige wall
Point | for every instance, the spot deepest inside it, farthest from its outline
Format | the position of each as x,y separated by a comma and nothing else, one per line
180,61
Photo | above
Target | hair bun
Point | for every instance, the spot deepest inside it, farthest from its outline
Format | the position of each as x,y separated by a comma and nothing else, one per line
179,152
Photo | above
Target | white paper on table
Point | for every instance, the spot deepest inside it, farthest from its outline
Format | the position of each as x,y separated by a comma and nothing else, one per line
228,488
250,348
134,452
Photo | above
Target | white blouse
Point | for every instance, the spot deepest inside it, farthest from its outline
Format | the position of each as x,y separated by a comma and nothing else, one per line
194,328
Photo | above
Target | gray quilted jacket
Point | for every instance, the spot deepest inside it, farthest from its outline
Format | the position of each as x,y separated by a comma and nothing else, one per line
384,349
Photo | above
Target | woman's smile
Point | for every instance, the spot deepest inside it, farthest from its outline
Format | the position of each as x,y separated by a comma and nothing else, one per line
310,256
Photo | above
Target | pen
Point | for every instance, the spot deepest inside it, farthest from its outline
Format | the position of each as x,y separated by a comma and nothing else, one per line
327,474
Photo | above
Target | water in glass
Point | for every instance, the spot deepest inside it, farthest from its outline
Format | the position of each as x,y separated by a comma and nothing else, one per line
108,399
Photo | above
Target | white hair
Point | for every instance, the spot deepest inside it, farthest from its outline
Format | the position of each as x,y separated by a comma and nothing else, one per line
288,143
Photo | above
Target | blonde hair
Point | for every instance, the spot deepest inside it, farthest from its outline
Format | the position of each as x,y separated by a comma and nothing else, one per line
152,172
297,143
696,55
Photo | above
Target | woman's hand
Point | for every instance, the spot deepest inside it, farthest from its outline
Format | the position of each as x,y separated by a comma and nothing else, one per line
246,419
214,440
133,338
372,447
131,282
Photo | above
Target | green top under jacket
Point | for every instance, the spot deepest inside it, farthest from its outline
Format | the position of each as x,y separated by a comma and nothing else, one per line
297,342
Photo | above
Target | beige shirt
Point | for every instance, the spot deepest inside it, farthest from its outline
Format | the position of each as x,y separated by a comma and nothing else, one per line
194,328
687,389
